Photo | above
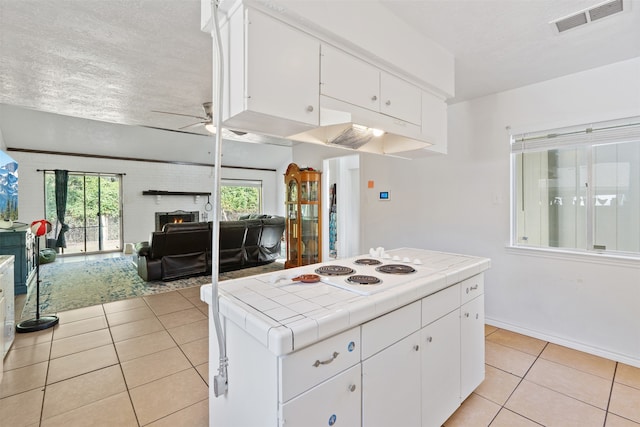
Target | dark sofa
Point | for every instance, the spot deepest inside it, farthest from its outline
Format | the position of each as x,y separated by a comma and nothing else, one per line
182,250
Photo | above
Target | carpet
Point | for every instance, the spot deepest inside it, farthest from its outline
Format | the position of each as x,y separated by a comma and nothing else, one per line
70,285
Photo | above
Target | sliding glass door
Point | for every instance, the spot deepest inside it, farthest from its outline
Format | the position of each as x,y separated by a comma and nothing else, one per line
93,212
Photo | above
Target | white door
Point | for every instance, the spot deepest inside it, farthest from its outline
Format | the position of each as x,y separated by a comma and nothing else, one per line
282,70
336,402
349,79
440,343
472,345
391,385
400,99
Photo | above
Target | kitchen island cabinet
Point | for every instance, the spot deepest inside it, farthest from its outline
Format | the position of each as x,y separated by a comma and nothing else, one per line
329,353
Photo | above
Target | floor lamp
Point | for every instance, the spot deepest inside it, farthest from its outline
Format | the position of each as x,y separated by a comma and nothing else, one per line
38,228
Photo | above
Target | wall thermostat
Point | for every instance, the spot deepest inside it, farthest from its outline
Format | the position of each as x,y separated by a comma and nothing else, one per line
384,195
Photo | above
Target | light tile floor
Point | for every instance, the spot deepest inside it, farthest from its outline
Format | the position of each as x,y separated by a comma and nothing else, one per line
143,362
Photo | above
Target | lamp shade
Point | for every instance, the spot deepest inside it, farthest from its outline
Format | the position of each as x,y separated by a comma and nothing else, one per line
40,227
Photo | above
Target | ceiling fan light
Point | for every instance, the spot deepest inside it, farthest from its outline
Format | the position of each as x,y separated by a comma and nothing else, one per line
210,127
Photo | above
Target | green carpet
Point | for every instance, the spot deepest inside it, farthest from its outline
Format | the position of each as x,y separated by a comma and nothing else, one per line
70,285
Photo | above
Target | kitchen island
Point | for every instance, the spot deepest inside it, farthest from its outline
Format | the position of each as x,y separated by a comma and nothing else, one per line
405,350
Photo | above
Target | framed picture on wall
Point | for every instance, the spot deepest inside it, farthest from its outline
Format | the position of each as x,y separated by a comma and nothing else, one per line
8,187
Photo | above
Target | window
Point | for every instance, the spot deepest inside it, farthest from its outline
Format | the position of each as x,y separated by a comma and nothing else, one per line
239,197
578,188
93,211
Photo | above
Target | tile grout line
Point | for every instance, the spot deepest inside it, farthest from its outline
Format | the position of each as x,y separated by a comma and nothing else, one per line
518,385
613,380
124,378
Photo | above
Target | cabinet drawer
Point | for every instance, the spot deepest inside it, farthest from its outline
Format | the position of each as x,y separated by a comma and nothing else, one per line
437,305
304,369
471,288
382,332
12,239
335,402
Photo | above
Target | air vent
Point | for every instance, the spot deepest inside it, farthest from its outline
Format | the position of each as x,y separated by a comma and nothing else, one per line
605,10
594,13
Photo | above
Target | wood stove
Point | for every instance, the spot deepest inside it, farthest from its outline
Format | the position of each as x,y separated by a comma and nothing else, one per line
163,218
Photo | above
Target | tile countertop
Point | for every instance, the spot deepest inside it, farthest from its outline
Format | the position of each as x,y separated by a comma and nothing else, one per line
286,316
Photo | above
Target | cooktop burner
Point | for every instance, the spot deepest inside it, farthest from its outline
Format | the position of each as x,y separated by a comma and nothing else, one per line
362,279
334,270
396,269
367,261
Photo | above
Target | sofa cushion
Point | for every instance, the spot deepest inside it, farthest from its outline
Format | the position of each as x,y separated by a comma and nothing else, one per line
185,226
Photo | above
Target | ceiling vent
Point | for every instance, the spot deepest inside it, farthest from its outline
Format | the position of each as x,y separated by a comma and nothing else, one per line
594,13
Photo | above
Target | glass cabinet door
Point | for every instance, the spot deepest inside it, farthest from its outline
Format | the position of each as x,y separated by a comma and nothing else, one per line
303,220
310,230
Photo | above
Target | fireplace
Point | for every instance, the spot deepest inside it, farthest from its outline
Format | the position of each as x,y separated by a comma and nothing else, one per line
163,218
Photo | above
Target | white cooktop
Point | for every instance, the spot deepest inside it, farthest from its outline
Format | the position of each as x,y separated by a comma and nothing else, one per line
286,315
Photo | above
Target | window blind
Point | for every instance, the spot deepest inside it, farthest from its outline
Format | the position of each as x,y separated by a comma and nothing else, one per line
622,130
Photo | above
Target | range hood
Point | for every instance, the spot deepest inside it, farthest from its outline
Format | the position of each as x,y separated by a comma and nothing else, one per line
348,126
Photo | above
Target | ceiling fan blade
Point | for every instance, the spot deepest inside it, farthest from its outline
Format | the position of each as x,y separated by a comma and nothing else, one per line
193,125
179,114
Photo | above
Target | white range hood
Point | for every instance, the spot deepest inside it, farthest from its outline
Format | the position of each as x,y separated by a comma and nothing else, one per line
344,125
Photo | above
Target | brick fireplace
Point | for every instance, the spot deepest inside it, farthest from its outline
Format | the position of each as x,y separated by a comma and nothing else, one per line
163,218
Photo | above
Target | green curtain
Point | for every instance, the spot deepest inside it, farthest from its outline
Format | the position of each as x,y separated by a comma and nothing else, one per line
62,178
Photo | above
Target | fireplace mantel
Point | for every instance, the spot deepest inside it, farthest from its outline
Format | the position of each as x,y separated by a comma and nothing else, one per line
174,193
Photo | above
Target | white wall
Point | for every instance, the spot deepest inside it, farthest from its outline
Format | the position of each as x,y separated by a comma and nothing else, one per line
57,133
461,203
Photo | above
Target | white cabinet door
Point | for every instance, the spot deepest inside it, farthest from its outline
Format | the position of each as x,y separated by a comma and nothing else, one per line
400,99
349,79
434,122
472,345
391,385
282,70
440,348
335,402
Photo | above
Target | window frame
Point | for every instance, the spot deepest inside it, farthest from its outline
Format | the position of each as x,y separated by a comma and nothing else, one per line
590,137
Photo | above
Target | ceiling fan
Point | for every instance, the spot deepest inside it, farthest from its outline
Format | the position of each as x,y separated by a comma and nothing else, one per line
206,121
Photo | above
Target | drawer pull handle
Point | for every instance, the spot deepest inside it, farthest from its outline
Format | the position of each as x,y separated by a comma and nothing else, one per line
326,362
474,287
429,339
416,347
466,315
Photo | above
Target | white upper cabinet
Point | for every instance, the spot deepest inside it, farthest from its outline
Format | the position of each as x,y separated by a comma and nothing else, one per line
400,99
273,74
347,78
434,122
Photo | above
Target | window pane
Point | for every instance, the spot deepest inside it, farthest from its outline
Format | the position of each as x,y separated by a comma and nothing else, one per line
567,196
237,200
616,195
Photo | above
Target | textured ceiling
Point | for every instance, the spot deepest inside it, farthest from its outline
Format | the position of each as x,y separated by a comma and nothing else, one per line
117,60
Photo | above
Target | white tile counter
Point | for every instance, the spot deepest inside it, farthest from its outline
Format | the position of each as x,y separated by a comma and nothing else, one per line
328,353
285,316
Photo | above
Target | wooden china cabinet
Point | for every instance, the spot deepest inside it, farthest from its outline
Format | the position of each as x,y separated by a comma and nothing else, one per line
304,224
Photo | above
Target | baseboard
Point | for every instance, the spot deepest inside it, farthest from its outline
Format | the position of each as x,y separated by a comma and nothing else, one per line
575,345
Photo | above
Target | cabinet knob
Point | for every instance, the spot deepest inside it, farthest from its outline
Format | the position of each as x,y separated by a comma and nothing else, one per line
388,102
416,347
352,388
374,98
466,315
429,339
310,108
